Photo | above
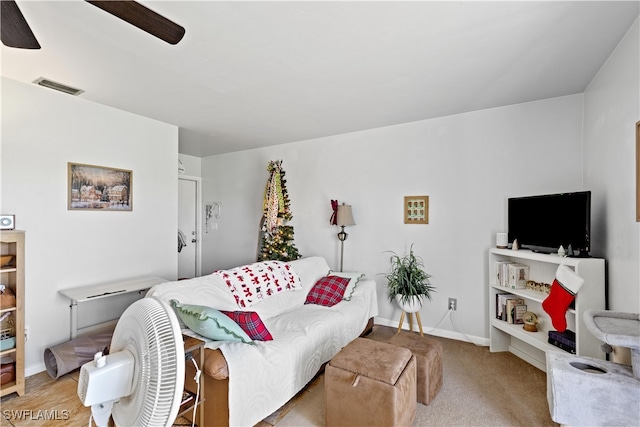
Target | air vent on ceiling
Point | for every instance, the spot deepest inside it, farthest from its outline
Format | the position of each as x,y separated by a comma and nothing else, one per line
58,86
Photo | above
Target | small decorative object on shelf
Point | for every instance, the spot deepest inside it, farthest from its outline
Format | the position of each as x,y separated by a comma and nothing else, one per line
501,240
5,260
543,288
515,246
7,339
7,370
7,222
7,297
530,322
561,251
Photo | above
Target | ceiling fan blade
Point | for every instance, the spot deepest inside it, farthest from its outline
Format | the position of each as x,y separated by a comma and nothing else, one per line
144,18
14,31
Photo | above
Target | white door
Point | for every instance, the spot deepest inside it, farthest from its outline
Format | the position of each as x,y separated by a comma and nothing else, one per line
188,228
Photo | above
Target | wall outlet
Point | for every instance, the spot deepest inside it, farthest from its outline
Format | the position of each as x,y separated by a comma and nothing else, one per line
26,333
453,304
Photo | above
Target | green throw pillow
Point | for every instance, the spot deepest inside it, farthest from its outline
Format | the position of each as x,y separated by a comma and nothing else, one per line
210,323
354,278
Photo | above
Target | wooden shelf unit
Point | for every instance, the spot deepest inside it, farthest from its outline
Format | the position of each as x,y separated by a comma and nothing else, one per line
12,276
531,346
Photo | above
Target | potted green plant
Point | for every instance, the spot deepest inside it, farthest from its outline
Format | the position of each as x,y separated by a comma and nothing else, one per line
409,283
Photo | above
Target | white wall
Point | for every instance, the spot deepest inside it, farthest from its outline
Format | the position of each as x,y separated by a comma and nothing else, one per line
611,110
192,165
468,164
42,130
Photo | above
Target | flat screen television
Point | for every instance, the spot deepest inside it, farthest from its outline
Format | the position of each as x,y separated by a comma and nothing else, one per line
543,223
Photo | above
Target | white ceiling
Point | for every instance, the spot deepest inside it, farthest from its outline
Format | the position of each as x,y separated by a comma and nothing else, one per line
253,74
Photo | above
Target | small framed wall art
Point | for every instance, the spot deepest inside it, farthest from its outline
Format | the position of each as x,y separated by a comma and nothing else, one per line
416,209
99,188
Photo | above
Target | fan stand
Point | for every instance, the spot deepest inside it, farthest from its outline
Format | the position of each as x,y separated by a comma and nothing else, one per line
101,413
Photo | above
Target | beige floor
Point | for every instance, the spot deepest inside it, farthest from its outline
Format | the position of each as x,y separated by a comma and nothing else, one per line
55,403
46,402
49,402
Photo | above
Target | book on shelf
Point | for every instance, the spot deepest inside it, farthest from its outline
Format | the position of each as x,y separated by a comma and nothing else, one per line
511,305
502,272
563,346
568,336
519,311
518,274
564,340
501,304
499,299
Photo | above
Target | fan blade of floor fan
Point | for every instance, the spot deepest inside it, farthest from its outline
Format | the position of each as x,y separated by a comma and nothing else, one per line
144,18
14,31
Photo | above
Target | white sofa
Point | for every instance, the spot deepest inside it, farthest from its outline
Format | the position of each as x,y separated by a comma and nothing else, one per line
245,383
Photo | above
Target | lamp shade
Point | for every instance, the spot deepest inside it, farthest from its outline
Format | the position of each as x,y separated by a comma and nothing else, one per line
345,216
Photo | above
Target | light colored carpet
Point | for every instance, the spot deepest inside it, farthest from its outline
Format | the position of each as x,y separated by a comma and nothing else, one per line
479,389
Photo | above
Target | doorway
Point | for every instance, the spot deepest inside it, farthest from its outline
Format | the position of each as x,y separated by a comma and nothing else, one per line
189,226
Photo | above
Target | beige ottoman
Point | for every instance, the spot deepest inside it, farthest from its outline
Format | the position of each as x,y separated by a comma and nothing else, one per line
428,353
370,383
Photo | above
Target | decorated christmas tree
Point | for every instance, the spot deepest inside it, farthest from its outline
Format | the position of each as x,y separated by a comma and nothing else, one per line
276,236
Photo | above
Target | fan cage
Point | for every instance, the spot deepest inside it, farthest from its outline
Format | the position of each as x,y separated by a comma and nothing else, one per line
159,354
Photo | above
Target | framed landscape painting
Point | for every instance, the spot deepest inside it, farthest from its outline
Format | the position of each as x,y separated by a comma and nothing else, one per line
99,188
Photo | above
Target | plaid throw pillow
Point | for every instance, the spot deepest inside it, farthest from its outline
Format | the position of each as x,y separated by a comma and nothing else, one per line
251,323
328,291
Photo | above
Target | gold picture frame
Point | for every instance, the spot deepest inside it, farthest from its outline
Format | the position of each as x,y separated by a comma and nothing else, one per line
638,171
416,209
99,188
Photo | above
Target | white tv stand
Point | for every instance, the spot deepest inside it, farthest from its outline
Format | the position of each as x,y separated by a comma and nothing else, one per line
531,346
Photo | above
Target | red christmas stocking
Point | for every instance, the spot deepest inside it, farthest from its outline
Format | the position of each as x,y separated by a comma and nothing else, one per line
563,291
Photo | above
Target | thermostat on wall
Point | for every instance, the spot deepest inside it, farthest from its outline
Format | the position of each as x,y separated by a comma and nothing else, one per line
7,222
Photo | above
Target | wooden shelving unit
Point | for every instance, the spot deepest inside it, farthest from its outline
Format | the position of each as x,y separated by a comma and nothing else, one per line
12,276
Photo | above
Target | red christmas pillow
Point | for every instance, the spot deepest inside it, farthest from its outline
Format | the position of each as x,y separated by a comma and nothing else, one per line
328,291
251,323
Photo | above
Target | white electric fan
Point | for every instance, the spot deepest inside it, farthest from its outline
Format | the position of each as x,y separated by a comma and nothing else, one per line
140,382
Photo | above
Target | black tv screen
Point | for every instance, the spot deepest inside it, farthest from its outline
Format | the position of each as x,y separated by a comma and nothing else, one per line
544,223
